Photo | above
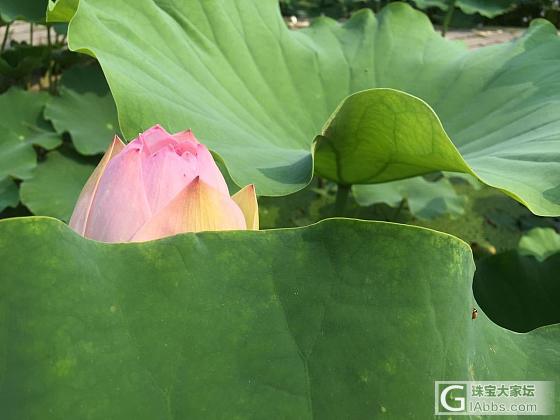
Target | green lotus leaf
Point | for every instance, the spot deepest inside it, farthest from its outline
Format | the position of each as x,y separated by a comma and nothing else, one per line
259,93
56,184
217,324
9,194
540,243
487,8
519,292
519,289
19,62
465,178
380,135
85,109
426,200
29,10
61,10
21,127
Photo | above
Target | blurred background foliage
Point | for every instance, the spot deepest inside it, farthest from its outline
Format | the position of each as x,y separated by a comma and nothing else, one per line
57,116
467,13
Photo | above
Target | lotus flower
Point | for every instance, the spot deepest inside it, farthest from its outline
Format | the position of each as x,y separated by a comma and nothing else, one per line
159,185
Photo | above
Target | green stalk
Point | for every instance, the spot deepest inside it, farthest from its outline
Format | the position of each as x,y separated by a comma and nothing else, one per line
398,210
51,62
448,17
49,40
342,194
5,39
31,34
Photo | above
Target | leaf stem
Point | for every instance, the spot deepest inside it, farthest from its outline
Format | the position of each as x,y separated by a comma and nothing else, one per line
31,34
448,17
51,61
5,39
398,210
342,194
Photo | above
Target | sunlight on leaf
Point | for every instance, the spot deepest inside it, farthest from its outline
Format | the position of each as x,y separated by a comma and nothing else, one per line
259,94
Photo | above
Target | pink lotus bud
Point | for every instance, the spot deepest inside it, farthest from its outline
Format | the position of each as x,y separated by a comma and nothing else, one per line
159,185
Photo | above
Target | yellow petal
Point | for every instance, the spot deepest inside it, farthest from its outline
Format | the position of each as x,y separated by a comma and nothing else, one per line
79,218
246,199
198,207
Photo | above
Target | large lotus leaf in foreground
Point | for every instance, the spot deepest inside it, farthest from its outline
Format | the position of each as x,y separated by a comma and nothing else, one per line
259,94
344,319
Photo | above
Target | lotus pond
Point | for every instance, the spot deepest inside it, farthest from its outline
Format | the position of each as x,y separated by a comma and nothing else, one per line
263,209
